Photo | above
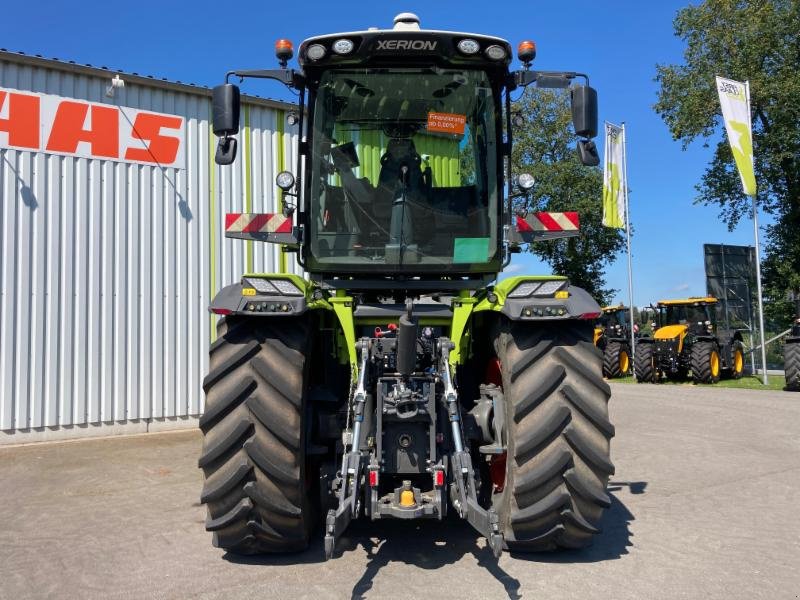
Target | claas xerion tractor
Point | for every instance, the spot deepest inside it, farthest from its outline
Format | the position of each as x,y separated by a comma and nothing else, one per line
399,381
686,340
612,334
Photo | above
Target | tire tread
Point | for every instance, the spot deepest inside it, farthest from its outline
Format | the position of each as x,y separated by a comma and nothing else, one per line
558,436
253,441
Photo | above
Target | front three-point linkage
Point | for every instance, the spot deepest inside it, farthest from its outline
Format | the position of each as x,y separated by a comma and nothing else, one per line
463,489
463,492
353,462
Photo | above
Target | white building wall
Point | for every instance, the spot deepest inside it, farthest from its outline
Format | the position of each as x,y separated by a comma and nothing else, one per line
107,268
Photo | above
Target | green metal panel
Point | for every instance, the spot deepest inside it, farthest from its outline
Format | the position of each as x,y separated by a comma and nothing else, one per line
442,155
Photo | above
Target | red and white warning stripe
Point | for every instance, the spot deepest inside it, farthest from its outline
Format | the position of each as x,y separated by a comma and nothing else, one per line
549,221
257,223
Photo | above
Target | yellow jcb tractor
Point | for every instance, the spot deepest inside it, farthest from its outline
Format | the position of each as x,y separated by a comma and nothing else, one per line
612,336
686,340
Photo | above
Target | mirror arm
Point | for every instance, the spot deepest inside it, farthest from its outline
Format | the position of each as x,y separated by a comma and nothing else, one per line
525,78
289,77
509,142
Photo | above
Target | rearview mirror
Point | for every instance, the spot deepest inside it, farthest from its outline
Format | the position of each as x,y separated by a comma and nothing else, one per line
225,109
587,151
226,151
584,110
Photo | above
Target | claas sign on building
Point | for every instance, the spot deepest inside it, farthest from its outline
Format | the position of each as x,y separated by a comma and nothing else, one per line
56,125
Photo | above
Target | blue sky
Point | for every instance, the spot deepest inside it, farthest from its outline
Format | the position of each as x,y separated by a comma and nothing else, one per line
617,43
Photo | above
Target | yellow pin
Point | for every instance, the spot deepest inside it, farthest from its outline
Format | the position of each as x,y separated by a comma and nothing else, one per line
407,495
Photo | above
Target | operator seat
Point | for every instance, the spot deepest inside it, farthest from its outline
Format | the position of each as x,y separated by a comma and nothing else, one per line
401,164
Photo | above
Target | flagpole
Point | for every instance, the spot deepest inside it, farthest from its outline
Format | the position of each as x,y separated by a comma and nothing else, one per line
764,377
628,237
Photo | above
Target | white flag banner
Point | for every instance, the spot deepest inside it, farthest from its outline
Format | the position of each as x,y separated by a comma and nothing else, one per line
734,98
613,178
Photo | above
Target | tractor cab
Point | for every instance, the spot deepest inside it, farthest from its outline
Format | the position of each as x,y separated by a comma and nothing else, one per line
614,316
612,320
690,315
404,154
405,170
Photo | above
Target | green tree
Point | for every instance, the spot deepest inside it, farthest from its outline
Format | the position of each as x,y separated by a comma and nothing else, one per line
544,146
759,41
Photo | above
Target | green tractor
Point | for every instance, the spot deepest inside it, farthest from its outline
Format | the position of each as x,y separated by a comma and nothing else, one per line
791,355
399,381
612,334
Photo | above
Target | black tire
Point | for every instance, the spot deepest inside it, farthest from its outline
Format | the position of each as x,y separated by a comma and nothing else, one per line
791,362
616,360
645,364
703,361
253,456
558,436
736,369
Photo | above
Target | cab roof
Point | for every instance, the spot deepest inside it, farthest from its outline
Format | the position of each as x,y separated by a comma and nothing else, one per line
405,42
688,301
610,309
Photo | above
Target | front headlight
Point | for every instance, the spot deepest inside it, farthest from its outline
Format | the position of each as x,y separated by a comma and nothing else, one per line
262,286
524,289
548,288
286,287
538,288
275,287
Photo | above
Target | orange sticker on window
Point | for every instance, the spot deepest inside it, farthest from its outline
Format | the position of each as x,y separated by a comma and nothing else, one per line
446,123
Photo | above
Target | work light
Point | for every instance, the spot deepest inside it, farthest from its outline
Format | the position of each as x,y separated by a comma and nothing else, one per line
343,46
316,51
468,46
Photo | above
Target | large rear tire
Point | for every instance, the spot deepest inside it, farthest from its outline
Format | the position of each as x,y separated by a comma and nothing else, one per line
645,364
705,362
791,356
558,436
253,456
616,360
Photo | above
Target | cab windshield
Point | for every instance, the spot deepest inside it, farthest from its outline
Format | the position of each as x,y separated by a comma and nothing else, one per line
613,318
404,171
684,314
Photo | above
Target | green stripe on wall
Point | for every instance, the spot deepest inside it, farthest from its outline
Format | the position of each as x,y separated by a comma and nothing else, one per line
248,183
212,213
281,115
445,160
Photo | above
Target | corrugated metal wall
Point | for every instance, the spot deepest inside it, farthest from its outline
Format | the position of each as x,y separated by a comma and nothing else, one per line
106,268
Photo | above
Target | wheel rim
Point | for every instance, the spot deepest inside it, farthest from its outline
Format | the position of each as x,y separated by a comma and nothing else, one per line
738,362
714,361
624,362
493,373
498,472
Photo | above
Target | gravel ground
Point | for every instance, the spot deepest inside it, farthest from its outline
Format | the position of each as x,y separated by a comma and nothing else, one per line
704,506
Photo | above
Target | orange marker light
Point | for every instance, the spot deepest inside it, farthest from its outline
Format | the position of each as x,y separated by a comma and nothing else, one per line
526,51
284,50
